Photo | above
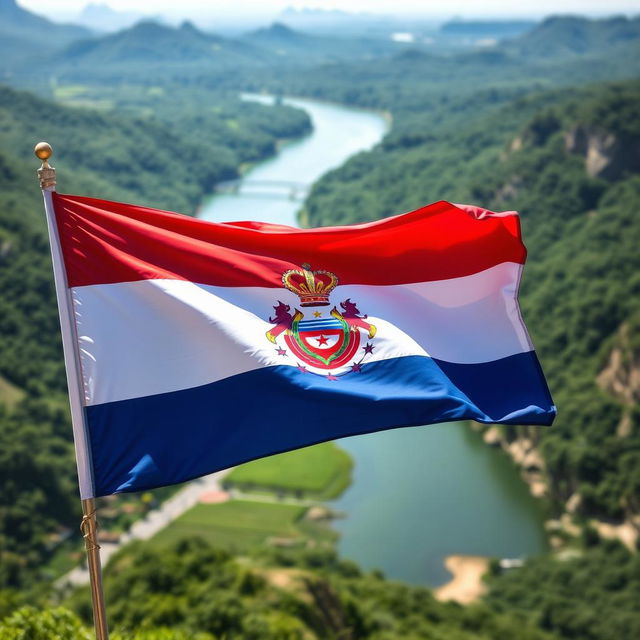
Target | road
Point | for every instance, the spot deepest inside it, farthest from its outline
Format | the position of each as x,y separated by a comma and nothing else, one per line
154,521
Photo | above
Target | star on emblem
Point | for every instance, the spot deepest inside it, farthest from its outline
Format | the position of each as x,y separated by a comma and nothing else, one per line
356,368
331,377
321,340
281,352
368,348
302,368
317,314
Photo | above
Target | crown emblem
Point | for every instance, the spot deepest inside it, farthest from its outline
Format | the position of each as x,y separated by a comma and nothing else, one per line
313,287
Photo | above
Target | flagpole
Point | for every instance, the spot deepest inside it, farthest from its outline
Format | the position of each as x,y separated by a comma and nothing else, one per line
89,524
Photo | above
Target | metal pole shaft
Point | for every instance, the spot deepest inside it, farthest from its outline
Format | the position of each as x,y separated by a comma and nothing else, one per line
89,528
89,524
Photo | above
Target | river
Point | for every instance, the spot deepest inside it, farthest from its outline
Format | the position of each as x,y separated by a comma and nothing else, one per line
418,494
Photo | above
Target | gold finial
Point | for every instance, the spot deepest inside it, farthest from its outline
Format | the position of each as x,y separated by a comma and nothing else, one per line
43,150
46,173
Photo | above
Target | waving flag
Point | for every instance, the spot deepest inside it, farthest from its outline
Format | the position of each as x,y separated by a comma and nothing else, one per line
205,345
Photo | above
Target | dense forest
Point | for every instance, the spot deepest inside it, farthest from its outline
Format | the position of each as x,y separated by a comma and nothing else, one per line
548,123
191,588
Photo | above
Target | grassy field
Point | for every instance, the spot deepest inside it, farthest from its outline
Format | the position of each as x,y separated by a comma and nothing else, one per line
237,525
322,472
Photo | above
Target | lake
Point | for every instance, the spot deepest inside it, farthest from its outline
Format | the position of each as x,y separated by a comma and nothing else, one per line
418,494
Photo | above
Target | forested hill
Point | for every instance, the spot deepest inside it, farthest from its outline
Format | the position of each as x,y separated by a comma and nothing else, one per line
570,164
22,29
152,45
569,161
574,172
576,35
136,159
415,82
191,591
296,47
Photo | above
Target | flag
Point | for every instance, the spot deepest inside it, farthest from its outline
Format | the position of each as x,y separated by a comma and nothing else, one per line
203,345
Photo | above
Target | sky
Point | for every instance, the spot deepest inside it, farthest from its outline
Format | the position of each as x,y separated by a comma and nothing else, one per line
427,8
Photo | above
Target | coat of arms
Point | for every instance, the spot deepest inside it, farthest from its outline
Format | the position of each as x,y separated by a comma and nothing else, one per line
327,344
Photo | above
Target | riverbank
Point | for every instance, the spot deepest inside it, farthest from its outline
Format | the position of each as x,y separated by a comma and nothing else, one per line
561,530
524,453
267,98
466,585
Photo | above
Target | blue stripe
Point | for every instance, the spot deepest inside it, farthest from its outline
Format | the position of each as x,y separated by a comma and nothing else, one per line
324,324
172,437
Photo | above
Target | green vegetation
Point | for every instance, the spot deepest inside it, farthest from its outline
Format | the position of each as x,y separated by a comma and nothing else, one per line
53,624
592,596
25,36
237,525
28,623
109,155
321,472
575,36
292,594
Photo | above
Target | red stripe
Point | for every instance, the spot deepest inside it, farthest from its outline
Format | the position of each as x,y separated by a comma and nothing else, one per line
105,242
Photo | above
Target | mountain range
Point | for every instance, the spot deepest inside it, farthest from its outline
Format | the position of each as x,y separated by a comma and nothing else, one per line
575,35
36,49
25,35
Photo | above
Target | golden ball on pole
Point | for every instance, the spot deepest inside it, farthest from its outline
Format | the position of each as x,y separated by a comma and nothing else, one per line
43,151
46,173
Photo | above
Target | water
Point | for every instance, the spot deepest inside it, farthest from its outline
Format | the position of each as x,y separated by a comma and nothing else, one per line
418,494
423,493
338,133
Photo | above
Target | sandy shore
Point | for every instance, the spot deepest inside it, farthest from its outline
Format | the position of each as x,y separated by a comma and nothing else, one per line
466,584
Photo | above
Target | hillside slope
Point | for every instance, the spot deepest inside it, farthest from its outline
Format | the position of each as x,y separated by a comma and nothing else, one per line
570,166
25,35
152,44
568,161
576,35
97,154
192,590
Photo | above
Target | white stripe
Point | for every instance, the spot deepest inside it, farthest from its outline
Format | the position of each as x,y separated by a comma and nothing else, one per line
156,336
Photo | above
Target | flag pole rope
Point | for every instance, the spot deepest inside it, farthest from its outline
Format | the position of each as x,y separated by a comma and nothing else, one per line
89,528
89,524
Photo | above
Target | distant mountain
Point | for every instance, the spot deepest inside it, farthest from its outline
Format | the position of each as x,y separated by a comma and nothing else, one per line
18,22
299,46
149,44
574,35
101,17
331,20
497,29
280,35
24,35
150,50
